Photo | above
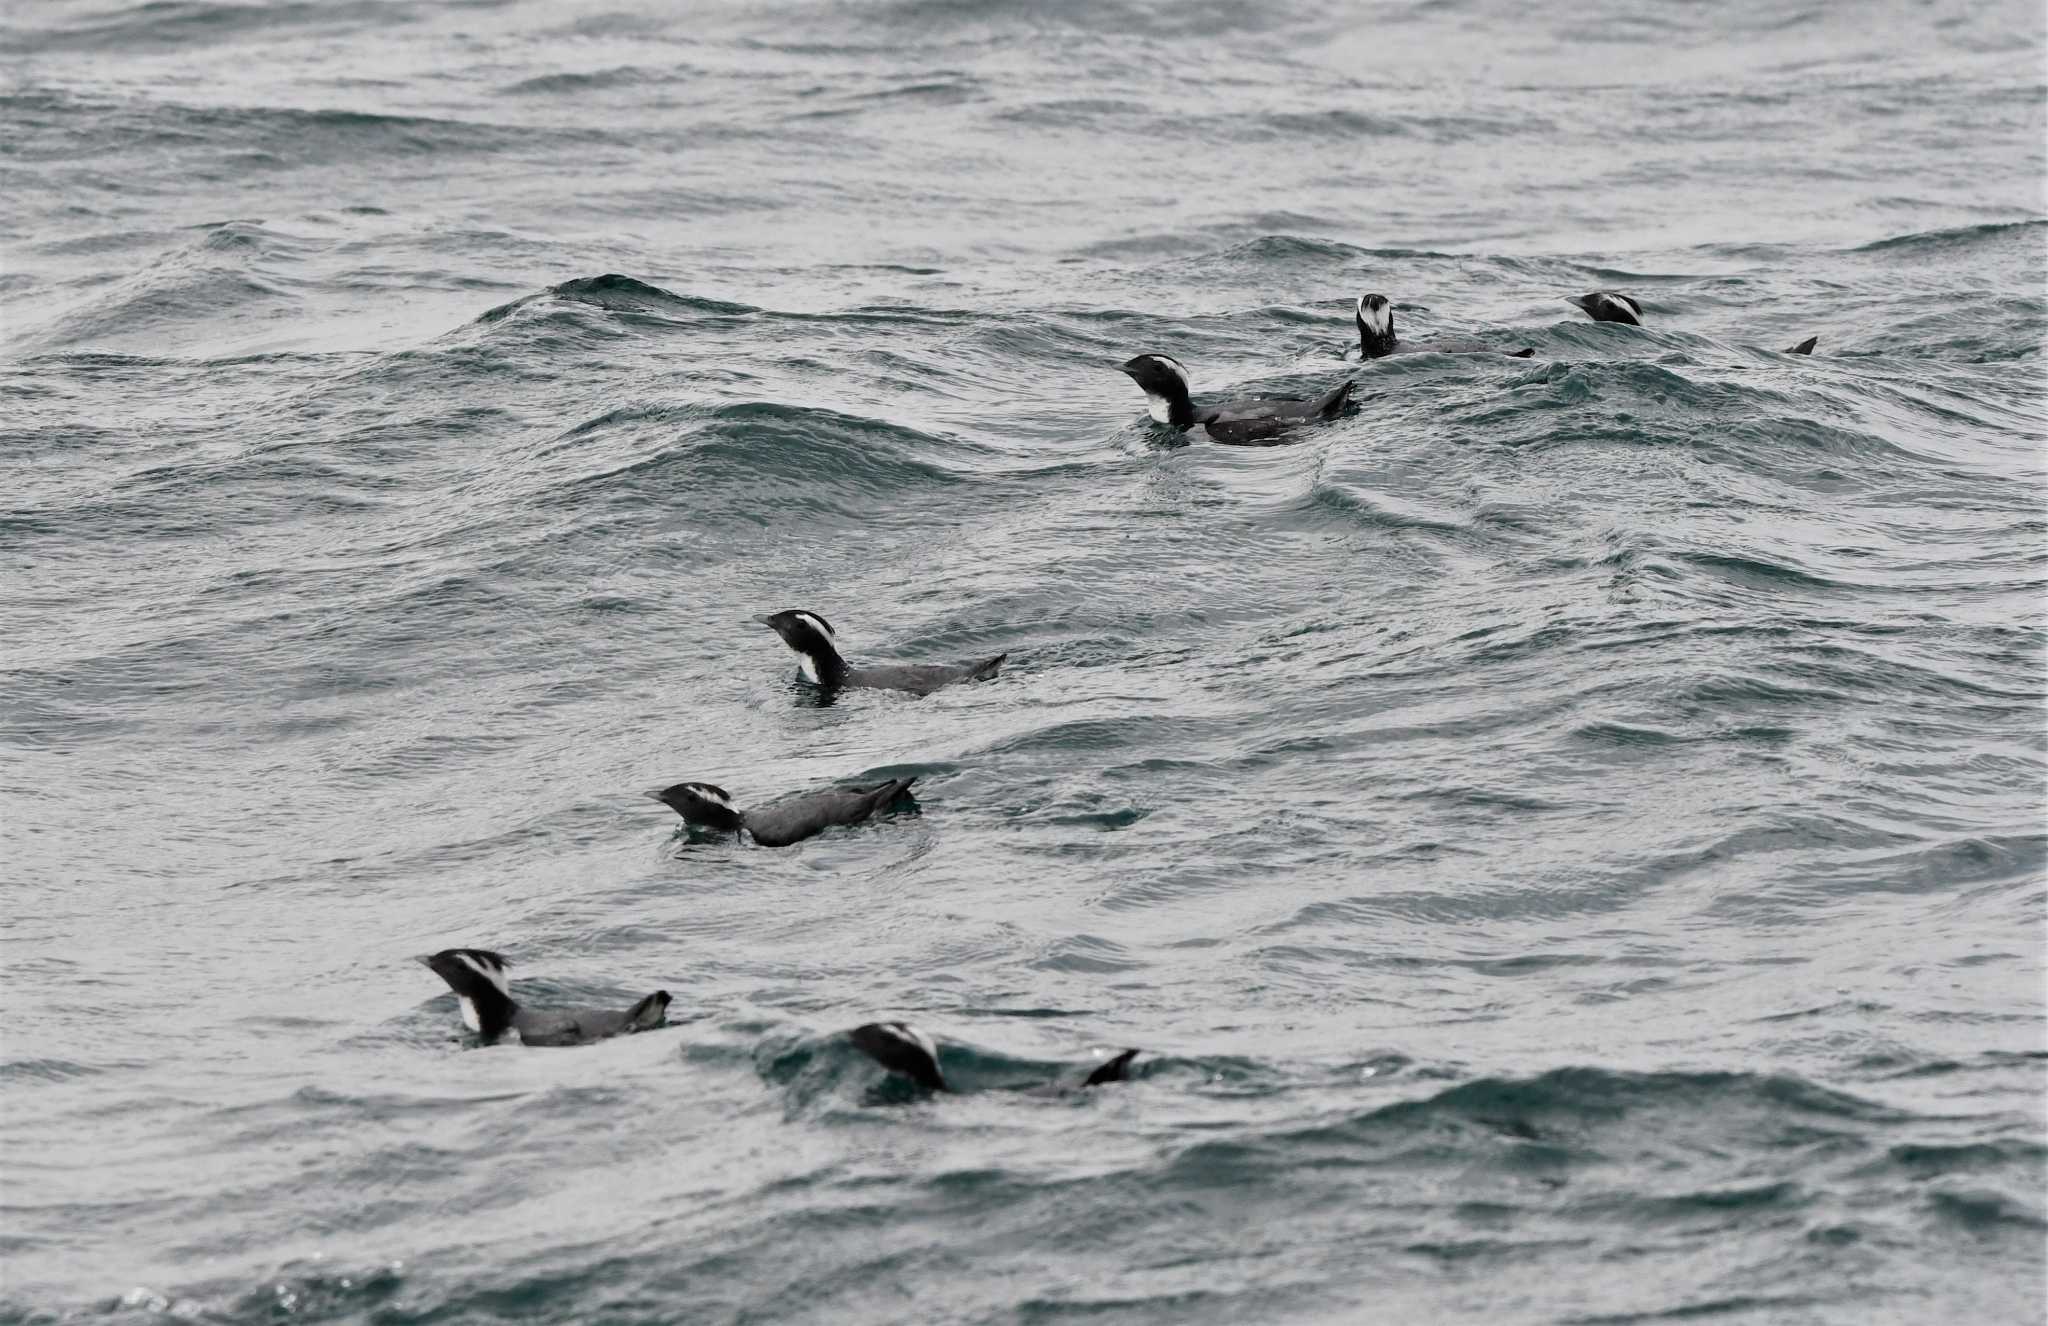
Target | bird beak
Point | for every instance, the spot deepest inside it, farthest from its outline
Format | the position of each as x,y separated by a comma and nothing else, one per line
763,620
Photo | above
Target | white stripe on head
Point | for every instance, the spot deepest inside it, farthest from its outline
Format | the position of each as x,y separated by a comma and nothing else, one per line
1159,407
1376,317
819,623
910,1035
491,972
1621,307
709,793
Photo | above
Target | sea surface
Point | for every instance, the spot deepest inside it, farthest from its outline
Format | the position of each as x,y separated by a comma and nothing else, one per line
1568,837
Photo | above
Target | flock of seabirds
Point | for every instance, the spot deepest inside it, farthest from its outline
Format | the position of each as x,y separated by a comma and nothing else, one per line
477,976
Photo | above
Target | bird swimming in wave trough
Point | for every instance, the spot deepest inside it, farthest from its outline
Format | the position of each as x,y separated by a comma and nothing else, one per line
477,976
812,637
791,820
1605,306
904,1049
1376,338
1164,380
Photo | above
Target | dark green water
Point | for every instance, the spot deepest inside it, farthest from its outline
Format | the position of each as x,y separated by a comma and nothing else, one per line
1568,836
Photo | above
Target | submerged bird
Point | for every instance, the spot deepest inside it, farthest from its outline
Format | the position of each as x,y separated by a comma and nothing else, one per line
707,806
477,976
902,1048
1237,423
1603,306
1376,339
812,638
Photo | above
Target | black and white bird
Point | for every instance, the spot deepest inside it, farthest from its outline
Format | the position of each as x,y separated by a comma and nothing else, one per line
791,820
1164,380
1376,338
905,1049
817,649
1606,306
477,976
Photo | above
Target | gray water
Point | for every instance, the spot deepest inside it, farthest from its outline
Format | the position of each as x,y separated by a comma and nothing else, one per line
1568,836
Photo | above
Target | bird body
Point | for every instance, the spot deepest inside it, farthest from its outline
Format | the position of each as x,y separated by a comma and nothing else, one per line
477,976
1164,380
904,1049
782,823
1376,338
817,648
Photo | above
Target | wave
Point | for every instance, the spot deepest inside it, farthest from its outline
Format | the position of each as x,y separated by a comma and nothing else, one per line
1956,238
52,125
618,294
754,456
584,82
188,23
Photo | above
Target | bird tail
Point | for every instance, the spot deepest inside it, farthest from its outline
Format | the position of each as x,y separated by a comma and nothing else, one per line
1805,347
1333,400
987,668
881,794
1117,1069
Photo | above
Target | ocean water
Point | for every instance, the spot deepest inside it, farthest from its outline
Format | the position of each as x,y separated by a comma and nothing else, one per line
1568,837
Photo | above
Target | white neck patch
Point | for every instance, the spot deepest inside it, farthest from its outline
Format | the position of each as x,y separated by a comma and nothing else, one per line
1160,408
469,1017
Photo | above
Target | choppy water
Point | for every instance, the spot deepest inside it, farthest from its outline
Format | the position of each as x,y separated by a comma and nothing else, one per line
1568,836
